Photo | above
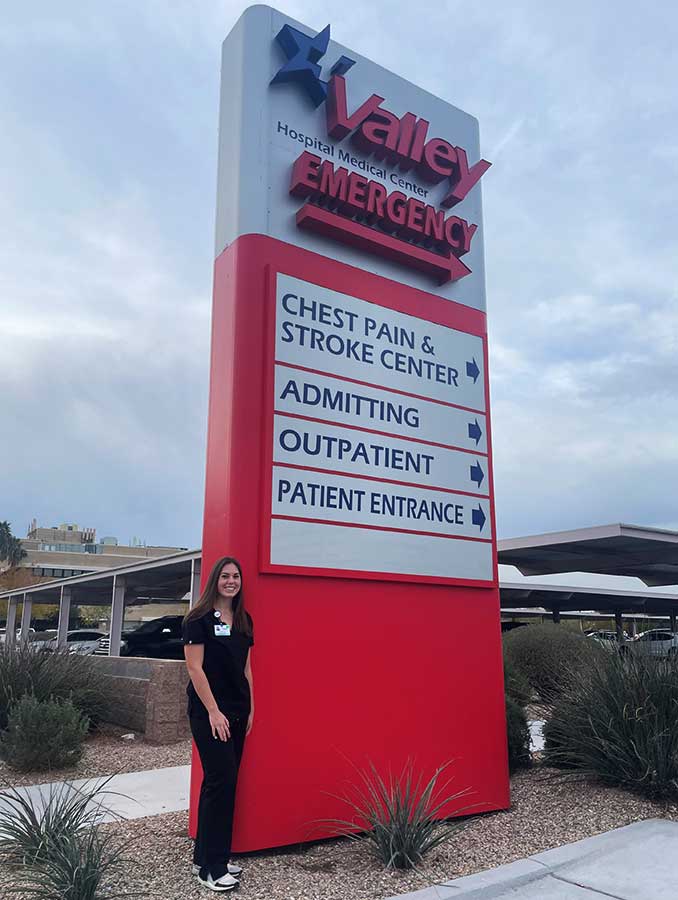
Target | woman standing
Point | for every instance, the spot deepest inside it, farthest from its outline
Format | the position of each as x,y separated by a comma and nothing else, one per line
218,638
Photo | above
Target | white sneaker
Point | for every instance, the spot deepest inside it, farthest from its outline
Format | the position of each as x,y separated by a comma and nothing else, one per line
235,871
225,883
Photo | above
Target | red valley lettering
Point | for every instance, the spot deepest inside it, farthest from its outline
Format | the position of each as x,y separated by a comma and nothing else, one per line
402,140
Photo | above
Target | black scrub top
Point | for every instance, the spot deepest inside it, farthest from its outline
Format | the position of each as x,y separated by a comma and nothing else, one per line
223,664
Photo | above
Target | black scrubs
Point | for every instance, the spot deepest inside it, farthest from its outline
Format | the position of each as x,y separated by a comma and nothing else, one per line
224,665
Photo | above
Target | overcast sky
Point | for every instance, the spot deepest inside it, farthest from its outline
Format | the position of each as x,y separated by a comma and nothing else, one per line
108,117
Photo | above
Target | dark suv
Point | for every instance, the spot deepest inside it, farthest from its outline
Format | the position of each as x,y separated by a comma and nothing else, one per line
159,639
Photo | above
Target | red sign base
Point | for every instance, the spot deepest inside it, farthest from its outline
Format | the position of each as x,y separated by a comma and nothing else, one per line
347,671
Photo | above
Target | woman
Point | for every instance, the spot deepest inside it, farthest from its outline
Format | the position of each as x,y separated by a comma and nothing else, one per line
218,638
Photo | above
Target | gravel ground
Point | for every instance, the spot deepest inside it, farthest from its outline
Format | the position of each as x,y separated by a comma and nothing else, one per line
106,754
546,812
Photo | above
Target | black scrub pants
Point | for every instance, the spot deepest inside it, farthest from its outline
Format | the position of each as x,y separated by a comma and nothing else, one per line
220,763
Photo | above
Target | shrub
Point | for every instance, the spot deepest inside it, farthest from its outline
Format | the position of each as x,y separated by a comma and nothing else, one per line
53,848
518,736
31,824
548,655
516,685
619,720
43,735
79,866
57,676
398,817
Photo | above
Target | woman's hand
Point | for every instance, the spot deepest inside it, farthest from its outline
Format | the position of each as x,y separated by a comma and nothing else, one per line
250,722
220,726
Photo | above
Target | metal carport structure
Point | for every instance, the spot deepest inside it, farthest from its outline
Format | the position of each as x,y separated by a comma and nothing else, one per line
557,599
163,578
650,554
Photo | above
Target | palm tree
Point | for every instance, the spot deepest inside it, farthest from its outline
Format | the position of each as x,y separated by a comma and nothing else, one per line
10,546
5,535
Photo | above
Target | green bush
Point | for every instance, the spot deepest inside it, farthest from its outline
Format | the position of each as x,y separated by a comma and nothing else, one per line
57,676
43,735
518,736
618,719
400,818
516,685
547,656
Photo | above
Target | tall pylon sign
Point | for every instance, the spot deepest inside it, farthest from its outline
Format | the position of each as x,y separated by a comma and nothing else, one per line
349,463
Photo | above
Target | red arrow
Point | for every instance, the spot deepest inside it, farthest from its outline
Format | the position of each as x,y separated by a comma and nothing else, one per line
330,224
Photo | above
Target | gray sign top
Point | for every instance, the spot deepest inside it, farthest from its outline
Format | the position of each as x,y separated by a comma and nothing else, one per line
264,128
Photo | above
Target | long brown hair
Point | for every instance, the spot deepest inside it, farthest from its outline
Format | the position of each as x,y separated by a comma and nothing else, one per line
241,620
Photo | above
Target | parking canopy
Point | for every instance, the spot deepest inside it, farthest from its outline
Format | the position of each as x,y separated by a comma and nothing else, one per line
650,554
518,598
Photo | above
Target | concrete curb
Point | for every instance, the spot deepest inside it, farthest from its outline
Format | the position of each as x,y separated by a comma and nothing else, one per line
483,884
590,848
607,865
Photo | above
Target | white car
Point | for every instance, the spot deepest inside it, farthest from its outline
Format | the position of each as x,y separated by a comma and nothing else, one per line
658,642
81,640
3,634
607,639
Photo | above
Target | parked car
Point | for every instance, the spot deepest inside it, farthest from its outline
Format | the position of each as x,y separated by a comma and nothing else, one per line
159,639
607,639
3,634
81,640
657,642
42,637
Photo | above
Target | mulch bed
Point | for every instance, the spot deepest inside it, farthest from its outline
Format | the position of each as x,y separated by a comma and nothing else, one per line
546,812
107,754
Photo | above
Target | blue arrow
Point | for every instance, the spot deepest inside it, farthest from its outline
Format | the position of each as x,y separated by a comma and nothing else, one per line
478,517
477,473
472,370
475,432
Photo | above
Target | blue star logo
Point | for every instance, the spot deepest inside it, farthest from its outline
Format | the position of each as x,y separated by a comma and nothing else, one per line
303,53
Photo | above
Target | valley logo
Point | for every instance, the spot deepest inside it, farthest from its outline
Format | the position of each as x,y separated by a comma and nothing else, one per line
362,212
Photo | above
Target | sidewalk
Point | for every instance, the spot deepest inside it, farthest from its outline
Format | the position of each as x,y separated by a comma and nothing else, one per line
134,794
637,862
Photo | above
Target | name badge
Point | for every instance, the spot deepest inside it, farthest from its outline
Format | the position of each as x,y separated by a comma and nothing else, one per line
222,630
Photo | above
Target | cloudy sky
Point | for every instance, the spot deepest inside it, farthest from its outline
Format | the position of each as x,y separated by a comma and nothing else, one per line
108,116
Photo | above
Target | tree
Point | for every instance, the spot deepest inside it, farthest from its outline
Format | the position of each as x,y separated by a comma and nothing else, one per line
5,539
10,546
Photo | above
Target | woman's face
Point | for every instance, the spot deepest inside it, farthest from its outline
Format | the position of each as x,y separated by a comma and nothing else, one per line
229,581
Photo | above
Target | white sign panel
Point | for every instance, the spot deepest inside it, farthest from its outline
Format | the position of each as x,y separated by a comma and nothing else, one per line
379,439
322,446
332,333
333,400
337,498
315,546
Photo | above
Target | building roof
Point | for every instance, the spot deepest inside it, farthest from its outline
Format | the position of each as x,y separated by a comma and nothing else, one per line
164,577
650,554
